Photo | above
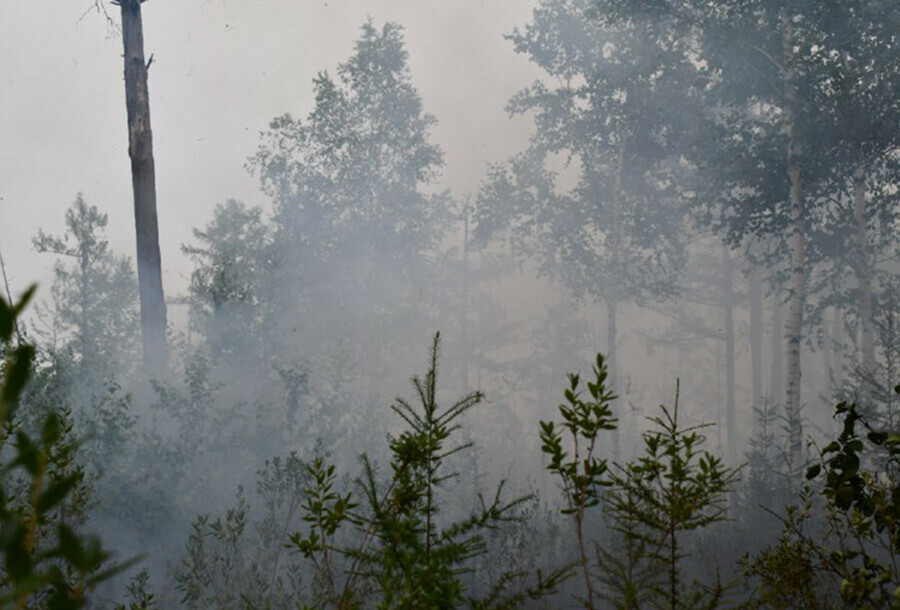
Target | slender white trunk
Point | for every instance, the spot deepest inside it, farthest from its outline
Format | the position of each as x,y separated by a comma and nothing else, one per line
756,332
612,301
797,240
611,347
776,373
728,311
863,268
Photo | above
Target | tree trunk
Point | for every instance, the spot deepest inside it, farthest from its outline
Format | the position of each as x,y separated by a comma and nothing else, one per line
612,302
467,349
797,237
611,348
728,311
863,270
776,373
756,333
836,341
143,180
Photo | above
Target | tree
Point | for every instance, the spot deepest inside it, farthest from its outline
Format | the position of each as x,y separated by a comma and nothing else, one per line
46,561
615,234
95,301
671,489
784,94
406,554
232,266
353,171
143,180
348,183
859,115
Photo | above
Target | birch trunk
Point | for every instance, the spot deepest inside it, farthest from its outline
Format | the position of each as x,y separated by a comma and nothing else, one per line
612,302
728,311
756,333
863,268
776,373
611,348
797,237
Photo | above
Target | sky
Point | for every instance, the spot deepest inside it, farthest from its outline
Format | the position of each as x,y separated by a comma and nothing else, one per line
222,69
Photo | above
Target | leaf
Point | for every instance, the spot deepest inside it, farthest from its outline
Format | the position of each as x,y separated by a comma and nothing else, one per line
7,321
843,497
16,377
57,492
813,471
24,300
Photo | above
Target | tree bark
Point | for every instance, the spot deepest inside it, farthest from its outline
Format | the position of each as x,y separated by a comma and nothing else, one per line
728,312
863,268
776,373
611,347
612,302
797,239
143,179
756,333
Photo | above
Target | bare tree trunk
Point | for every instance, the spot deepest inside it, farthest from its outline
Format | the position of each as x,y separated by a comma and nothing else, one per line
863,270
611,347
728,311
467,350
143,179
612,302
836,341
756,332
797,236
776,373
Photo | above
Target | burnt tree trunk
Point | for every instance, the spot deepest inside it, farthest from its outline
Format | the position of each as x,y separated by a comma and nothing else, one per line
143,179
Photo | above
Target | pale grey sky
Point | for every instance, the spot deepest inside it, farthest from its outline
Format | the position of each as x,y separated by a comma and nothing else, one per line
222,69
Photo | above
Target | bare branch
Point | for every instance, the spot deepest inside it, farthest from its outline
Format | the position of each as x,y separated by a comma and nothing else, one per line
99,7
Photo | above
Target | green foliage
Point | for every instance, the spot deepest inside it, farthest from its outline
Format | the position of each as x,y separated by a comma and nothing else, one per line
651,502
233,562
46,563
139,596
674,488
855,554
232,263
582,475
94,312
405,555
788,573
608,107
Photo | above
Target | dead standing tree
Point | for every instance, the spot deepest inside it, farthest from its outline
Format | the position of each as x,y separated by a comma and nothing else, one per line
143,178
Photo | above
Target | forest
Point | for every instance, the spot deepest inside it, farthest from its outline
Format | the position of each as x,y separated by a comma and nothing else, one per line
648,356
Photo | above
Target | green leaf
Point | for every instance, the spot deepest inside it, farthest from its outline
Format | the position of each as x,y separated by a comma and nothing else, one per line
843,497
56,493
7,321
24,300
16,377
813,471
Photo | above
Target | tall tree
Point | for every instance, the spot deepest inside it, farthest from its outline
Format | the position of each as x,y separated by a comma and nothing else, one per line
349,186
232,269
860,116
787,81
143,180
614,235
94,314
